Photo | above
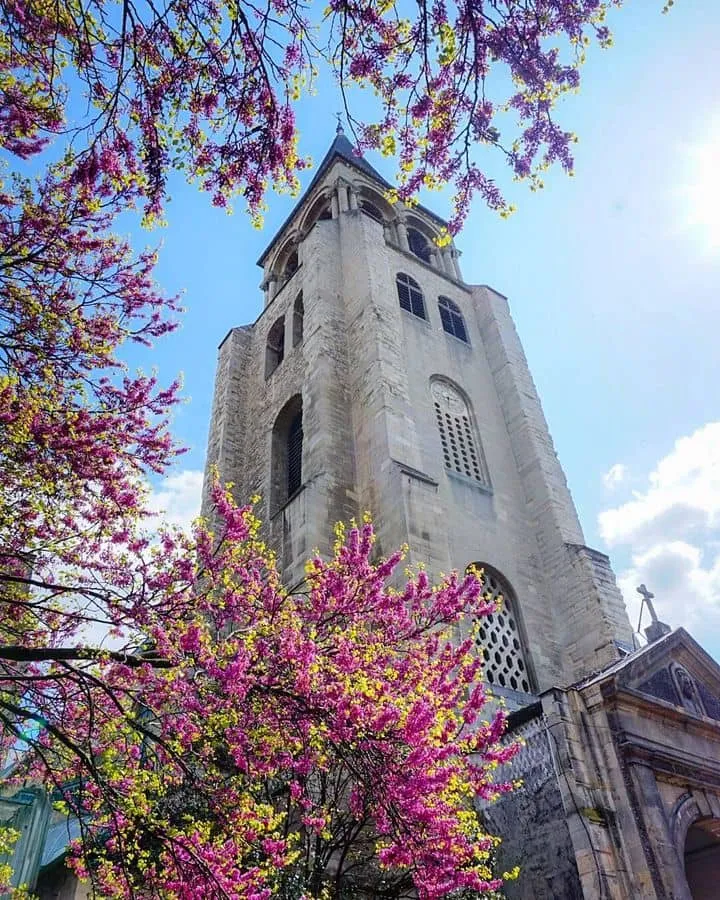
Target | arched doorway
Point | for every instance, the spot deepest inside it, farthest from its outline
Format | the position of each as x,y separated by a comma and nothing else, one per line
702,858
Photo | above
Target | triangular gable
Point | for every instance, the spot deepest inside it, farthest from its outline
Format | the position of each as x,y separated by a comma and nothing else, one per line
675,670
341,149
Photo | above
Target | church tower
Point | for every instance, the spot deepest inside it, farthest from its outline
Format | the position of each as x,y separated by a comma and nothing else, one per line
377,379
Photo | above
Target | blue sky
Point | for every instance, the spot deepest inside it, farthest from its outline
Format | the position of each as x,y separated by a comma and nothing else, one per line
613,281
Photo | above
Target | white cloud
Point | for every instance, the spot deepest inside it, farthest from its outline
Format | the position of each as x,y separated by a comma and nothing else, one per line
673,530
176,499
683,496
614,476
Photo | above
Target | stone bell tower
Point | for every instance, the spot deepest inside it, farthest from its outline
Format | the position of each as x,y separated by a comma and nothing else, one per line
376,379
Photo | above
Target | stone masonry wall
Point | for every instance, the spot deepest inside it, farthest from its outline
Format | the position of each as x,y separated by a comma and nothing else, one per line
371,440
531,821
589,614
247,403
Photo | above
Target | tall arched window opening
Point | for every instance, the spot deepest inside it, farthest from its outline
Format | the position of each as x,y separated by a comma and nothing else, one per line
298,320
461,447
320,211
419,244
702,858
371,210
294,454
452,319
499,635
275,347
410,295
287,453
291,266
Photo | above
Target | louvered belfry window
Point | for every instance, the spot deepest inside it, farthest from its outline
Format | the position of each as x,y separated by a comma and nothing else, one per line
410,295
294,455
499,638
452,319
461,448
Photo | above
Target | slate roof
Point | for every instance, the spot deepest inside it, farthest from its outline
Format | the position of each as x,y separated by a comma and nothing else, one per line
341,148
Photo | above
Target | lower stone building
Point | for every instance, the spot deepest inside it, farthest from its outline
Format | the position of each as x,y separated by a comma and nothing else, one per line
621,772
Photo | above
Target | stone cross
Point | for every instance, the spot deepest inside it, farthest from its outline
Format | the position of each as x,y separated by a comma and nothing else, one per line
656,629
648,598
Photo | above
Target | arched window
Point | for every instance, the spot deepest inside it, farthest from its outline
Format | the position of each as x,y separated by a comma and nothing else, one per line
462,451
291,266
371,210
452,318
499,636
410,295
287,451
275,348
298,319
320,211
294,454
702,858
419,244
374,205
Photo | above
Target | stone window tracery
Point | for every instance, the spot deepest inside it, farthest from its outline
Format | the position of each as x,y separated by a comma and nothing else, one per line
499,638
410,296
452,319
461,448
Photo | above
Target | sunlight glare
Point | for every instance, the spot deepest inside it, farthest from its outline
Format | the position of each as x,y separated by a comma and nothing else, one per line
700,188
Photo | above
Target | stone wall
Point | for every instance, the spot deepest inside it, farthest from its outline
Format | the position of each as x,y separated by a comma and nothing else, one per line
371,440
531,821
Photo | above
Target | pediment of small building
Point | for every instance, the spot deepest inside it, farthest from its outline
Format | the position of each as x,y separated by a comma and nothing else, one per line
677,671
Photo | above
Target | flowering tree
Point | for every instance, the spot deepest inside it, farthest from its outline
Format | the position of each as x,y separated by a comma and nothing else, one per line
238,741
208,87
271,744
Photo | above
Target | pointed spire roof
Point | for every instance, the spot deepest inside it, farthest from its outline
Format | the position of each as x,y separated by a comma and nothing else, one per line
341,148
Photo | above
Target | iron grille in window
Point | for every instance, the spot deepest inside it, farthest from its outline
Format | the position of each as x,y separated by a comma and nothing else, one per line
500,642
452,319
294,455
461,450
410,295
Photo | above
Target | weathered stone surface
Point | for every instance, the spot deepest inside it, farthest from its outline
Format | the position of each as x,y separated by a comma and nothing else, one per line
371,441
532,823
612,753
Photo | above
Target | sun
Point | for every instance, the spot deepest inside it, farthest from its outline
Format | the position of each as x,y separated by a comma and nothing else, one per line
700,188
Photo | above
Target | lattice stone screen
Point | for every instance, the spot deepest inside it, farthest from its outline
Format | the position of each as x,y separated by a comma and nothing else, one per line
461,448
500,642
